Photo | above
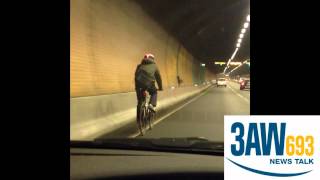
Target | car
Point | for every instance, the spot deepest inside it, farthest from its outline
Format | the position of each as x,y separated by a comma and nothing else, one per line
222,82
245,84
241,79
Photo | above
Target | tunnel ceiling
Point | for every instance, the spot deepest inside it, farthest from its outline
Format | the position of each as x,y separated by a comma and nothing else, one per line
209,29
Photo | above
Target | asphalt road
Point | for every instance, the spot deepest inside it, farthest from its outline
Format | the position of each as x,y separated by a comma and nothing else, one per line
204,116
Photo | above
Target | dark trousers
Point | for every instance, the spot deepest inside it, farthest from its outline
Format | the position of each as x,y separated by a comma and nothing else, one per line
153,93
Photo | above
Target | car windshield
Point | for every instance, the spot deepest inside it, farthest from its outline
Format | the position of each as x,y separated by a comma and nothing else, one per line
145,73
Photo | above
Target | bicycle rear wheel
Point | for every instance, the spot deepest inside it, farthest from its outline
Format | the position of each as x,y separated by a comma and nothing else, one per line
141,120
151,116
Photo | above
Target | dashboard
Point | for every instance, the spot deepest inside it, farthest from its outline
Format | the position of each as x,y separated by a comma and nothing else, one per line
87,163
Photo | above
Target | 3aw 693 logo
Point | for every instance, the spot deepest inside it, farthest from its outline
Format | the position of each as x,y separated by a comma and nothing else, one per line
265,147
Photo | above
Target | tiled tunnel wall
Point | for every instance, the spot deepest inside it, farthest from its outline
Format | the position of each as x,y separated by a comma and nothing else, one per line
109,39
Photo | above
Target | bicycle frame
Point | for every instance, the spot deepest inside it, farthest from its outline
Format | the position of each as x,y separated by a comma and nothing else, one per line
147,97
146,116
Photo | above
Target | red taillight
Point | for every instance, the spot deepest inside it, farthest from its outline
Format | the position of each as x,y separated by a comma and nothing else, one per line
144,93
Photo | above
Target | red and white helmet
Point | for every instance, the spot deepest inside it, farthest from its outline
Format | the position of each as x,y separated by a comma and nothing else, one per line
149,56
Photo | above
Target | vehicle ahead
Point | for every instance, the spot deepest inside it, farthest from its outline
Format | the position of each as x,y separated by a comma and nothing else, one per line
240,80
245,84
222,82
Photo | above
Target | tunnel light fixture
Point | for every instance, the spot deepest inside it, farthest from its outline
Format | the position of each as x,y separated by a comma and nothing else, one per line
247,62
246,25
225,69
234,69
233,55
203,65
235,63
219,63
244,62
243,30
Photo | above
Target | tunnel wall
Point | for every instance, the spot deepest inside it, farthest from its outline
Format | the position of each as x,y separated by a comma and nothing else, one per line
108,40
209,75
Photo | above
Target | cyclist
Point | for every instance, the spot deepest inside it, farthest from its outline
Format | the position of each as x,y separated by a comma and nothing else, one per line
146,74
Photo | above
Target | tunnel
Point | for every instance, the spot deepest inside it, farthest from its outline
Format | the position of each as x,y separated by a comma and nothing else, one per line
108,39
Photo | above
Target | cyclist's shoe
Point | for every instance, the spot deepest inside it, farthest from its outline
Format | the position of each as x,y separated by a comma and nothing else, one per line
152,108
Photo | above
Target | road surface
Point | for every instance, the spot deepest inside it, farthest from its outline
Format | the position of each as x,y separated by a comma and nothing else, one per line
202,117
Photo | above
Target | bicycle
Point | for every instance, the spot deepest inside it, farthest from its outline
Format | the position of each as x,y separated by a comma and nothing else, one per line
146,116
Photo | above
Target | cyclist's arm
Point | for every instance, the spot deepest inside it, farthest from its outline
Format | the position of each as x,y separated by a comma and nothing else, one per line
158,79
135,75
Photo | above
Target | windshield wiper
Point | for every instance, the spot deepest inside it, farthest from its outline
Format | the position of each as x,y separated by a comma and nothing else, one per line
194,145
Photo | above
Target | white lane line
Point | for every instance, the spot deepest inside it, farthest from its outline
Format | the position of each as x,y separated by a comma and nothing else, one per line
175,110
247,100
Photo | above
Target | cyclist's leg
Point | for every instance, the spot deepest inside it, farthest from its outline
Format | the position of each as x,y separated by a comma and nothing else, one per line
153,93
139,99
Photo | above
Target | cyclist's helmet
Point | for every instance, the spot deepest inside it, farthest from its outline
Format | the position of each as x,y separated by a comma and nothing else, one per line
149,56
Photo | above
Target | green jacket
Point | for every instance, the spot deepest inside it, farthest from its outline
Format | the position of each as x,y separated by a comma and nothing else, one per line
147,73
